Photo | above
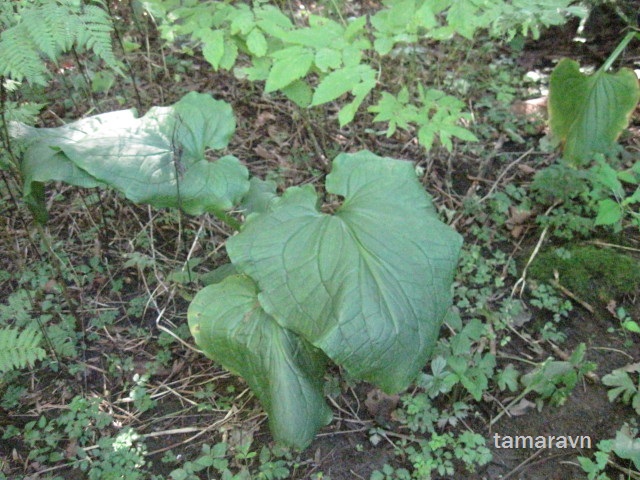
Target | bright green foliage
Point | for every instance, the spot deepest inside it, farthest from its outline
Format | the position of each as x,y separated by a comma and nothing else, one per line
470,368
555,380
289,57
435,457
157,159
626,445
49,28
587,113
604,177
623,384
595,470
19,349
368,285
527,16
437,115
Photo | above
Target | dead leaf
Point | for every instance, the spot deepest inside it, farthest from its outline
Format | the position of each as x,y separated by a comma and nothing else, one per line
527,169
278,135
51,286
263,118
517,220
520,408
264,153
380,404
534,107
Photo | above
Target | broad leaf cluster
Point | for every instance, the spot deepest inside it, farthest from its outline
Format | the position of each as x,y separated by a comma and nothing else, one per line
367,287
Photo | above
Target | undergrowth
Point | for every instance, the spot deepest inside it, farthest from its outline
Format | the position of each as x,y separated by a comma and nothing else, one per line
99,374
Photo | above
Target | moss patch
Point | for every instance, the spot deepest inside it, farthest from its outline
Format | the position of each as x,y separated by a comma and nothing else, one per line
590,273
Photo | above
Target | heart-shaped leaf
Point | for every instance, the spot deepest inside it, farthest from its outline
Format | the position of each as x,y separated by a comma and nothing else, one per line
587,113
368,285
283,370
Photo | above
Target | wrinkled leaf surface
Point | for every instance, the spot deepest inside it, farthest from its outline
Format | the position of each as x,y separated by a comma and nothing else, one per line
156,159
368,285
283,370
587,113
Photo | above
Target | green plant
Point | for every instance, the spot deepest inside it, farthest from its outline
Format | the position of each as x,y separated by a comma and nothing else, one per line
340,54
595,470
437,115
554,380
213,459
624,385
359,286
437,455
607,183
338,290
577,102
34,29
626,446
169,141
19,348
82,424
116,458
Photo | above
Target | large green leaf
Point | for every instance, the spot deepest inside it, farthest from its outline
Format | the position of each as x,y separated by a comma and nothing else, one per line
283,370
368,285
587,113
157,159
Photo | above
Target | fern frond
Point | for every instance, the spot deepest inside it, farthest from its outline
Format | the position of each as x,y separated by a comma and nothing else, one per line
19,348
49,28
19,57
46,28
95,34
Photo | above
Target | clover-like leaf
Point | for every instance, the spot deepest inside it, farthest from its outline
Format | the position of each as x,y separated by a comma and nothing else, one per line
282,369
368,285
587,113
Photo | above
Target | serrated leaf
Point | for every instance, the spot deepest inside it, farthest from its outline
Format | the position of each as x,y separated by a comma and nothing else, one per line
257,43
230,56
328,59
354,27
322,36
289,64
626,446
340,82
213,47
587,113
609,212
283,371
299,92
346,113
272,21
242,20
368,285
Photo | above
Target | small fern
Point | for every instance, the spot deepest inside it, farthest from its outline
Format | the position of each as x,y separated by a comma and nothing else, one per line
46,29
19,348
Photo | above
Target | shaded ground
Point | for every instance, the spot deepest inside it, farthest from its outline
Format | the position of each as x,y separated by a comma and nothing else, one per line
272,138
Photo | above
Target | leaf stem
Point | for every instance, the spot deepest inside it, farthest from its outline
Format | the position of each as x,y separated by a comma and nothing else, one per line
228,219
621,46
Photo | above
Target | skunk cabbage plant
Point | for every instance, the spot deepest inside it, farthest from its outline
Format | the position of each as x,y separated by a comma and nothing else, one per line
157,159
367,287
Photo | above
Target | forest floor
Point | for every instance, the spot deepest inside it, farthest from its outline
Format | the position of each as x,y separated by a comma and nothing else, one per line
131,290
